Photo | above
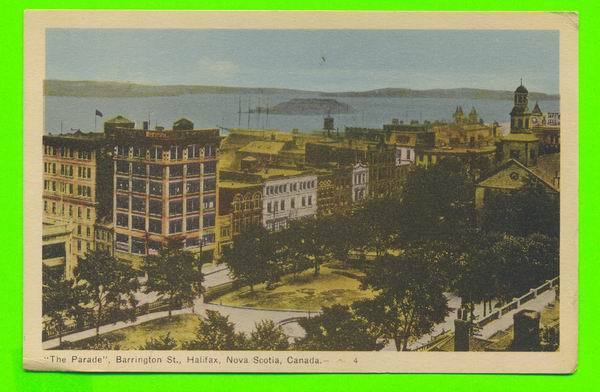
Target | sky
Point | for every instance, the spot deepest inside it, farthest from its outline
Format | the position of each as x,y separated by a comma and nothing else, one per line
322,60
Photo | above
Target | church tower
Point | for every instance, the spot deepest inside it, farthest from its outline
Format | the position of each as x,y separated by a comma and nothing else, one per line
459,115
519,115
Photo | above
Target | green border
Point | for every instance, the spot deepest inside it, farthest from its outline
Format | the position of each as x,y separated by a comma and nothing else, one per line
11,100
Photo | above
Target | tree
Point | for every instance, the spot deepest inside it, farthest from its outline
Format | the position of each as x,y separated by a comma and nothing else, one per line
291,255
379,224
523,263
343,235
531,209
174,272
410,299
61,302
165,342
338,328
108,286
268,336
216,332
437,202
312,240
248,257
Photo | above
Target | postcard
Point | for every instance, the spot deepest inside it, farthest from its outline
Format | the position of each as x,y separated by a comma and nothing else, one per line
300,192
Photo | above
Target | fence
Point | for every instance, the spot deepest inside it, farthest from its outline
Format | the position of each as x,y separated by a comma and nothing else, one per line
516,302
147,308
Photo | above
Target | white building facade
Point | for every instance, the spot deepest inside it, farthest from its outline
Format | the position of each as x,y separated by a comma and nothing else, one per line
360,182
288,198
405,155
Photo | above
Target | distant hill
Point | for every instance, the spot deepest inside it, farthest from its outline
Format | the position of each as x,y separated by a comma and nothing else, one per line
311,106
69,88
464,93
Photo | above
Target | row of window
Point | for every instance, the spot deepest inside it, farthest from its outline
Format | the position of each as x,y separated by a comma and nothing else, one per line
175,188
280,205
138,204
67,152
66,210
140,245
142,169
193,151
289,187
155,225
67,188
67,170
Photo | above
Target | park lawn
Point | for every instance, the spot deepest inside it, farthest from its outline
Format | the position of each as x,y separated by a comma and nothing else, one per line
182,328
334,285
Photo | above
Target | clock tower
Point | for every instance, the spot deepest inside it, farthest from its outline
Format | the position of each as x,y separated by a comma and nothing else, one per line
519,115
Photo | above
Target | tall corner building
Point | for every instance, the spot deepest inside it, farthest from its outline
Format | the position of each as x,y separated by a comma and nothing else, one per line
165,186
77,196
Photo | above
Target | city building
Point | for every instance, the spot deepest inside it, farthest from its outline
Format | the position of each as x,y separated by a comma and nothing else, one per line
165,186
77,189
523,147
508,177
334,190
360,182
385,178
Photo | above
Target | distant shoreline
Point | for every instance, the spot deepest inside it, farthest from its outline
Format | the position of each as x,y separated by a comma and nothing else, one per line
107,89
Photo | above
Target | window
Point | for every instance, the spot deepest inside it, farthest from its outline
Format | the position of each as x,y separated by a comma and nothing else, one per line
155,226
175,188
122,183
122,151
175,226
269,207
79,212
139,169
193,151
138,245
303,201
210,167
176,153
193,169
138,186
208,238
156,152
175,207
122,220
208,220
139,152
79,245
138,222
138,204
70,209
293,202
282,205
175,171
122,242
78,229
192,186
515,154
156,171
192,204
123,202
209,184
87,231
155,207
192,223
88,213
275,206
155,188
153,245
209,202
310,200
210,150
192,241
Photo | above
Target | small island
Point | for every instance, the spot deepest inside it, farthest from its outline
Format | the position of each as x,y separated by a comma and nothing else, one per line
308,106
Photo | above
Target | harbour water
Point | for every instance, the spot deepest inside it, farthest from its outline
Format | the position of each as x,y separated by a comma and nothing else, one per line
210,110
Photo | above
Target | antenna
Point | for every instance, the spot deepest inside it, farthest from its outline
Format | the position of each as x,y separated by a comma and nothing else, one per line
239,112
248,126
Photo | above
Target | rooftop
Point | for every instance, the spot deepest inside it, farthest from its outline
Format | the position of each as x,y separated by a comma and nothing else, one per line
520,137
235,184
263,147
